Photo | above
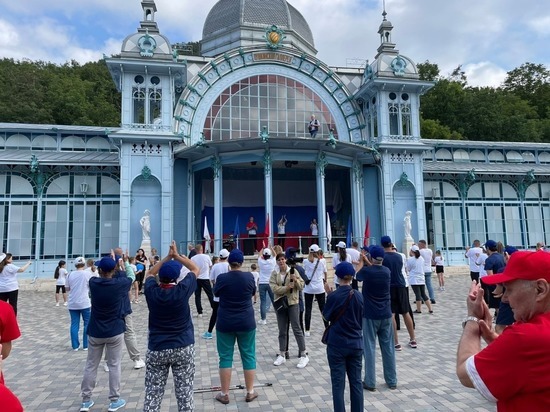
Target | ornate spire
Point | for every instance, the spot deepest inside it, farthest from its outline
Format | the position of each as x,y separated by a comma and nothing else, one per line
148,24
386,45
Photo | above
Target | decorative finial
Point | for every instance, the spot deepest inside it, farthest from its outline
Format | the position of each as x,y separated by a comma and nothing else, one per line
384,14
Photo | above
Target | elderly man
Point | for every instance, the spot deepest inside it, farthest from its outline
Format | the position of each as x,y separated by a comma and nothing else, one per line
514,369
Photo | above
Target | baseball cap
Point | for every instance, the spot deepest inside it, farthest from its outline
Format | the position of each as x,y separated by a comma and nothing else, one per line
376,252
344,269
490,244
170,270
267,252
236,256
224,253
525,265
106,264
385,241
341,245
414,248
314,248
510,249
81,261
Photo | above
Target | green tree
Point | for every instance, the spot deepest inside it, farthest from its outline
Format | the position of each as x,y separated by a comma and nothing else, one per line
428,71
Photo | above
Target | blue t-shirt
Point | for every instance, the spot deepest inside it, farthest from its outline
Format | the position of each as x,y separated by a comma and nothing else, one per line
376,291
170,323
347,331
394,262
108,297
495,262
235,290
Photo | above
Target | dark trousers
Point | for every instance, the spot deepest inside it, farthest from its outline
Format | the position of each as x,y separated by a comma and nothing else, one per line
474,276
281,240
309,306
203,284
342,362
11,298
214,316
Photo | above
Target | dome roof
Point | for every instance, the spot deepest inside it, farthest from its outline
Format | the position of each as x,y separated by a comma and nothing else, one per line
231,15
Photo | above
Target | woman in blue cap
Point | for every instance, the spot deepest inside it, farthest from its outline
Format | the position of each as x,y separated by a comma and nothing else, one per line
236,322
344,311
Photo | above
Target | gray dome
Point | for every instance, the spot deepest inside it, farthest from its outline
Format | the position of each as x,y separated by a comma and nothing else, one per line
231,14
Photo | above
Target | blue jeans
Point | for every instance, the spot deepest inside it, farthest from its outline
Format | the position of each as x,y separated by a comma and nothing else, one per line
75,325
428,278
265,290
383,329
344,361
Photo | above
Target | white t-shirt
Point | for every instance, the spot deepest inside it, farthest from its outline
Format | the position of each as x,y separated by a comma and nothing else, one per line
256,278
62,277
314,229
281,229
8,278
355,256
204,263
480,261
79,289
473,256
336,261
266,268
316,285
218,269
427,254
439,261
416,270
404,269
92,274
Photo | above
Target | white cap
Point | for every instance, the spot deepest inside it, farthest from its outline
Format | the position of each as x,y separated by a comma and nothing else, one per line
414,248
79,261
314,248
224,253
341,245
267,251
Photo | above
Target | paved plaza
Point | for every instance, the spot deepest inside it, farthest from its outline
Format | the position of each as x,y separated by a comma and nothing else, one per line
45,373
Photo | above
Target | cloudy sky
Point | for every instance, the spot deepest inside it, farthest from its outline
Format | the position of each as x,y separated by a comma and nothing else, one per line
487,37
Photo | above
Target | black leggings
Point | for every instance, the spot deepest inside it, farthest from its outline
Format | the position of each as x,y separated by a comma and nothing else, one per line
214,316
11,298
420,293
203,284
309,306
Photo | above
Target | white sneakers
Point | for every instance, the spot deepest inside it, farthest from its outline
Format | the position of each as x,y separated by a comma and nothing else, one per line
57,304
307,334
139,364
263,322
279,361
105,366
302,363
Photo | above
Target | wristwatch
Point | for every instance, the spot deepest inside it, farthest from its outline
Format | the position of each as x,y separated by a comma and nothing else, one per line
468,319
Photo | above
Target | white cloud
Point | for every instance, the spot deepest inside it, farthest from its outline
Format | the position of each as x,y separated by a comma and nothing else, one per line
484,74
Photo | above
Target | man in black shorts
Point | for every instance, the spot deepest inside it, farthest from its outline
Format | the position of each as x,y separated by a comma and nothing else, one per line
398,291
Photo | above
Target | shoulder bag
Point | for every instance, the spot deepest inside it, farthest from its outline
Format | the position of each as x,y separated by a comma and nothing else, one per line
307,281
324,338
281,304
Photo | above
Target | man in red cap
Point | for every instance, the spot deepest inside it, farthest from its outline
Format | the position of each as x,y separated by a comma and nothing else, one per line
514,369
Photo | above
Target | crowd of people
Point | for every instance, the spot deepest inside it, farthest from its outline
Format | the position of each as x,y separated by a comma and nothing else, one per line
360,310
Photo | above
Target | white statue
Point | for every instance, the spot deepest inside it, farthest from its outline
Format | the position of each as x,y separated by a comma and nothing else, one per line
145,223
407,224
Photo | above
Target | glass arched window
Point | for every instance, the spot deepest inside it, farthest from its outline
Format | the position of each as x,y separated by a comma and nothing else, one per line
281,104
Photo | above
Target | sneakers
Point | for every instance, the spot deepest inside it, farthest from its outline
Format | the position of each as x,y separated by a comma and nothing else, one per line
220,397
250,396
105,366
398,347
302,363
307,334
65,304
115,406
207,335
279,361
263,321
85,349
138,365
200,315
412,344
75,350
370,389
85,407
57,304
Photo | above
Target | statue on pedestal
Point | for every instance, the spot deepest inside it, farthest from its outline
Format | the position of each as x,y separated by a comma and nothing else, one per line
407,225
145,223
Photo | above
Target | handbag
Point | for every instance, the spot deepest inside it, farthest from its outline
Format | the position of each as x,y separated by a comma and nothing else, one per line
324,338
281,304
307,281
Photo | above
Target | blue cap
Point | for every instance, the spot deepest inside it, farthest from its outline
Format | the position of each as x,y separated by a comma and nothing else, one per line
344,269
170,270
236,256
510,249
106,264
376,252
385,241
490,244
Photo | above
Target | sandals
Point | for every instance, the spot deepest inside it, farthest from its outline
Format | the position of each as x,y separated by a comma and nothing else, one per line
412,344
398,347
222,398
417,311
